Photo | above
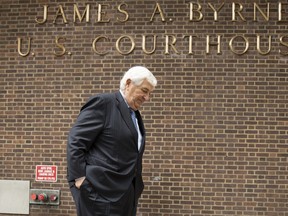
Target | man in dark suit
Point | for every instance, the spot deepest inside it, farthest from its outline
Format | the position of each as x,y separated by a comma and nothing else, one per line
105,148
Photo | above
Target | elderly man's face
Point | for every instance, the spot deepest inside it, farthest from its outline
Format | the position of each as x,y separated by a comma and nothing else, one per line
137,95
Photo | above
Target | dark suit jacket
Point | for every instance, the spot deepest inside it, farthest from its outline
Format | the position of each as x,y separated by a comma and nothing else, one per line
102,145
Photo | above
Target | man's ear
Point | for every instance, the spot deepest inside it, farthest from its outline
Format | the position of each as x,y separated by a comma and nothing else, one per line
128,81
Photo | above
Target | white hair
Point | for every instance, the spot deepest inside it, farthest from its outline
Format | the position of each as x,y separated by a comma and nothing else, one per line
137,75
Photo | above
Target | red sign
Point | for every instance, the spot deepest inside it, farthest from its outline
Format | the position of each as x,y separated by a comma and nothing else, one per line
46,173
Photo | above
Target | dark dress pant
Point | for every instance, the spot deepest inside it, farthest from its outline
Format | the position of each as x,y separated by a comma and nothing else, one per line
90,203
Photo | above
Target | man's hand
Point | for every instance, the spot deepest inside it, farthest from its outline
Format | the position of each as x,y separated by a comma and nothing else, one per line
79,181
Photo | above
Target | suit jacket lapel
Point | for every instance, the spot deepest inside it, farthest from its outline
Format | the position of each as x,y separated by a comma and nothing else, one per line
126,115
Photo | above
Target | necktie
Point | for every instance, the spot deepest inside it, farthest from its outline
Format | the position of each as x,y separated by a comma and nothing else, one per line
133,116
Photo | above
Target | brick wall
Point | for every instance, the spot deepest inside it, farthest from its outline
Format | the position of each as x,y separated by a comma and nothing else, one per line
217,123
